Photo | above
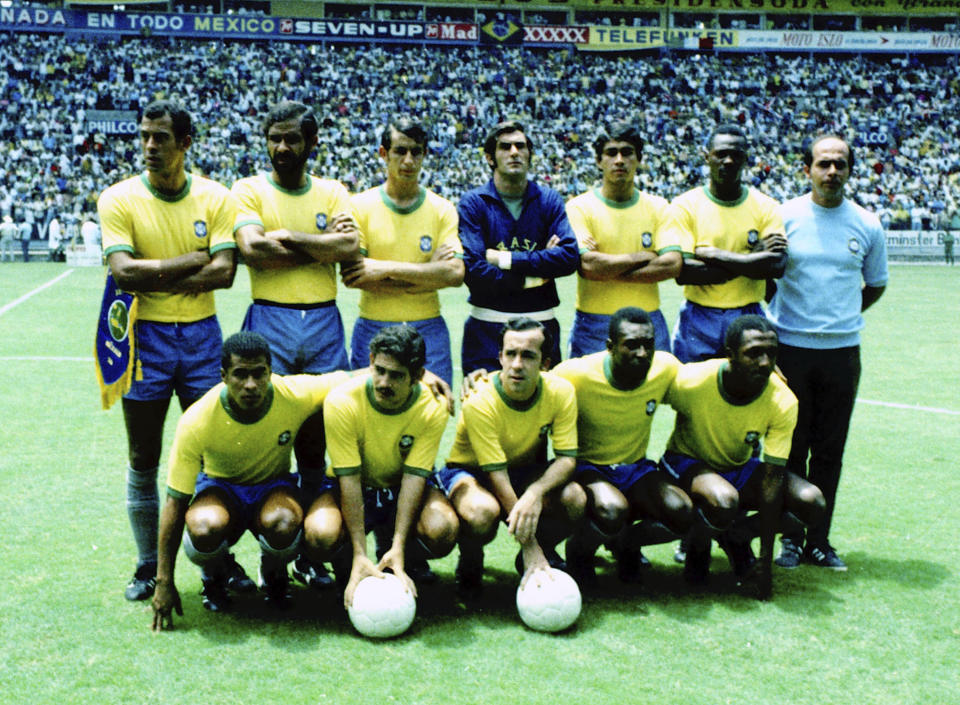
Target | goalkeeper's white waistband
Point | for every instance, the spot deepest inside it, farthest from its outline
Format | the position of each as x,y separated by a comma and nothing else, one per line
491,316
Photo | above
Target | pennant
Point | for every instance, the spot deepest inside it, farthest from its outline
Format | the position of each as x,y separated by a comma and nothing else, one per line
114,348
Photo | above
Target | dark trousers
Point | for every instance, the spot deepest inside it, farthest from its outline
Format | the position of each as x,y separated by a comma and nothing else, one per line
825,382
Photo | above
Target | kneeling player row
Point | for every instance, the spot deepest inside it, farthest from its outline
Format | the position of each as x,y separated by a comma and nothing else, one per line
230,465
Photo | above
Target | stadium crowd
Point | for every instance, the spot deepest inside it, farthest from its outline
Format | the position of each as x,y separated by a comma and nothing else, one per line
51,166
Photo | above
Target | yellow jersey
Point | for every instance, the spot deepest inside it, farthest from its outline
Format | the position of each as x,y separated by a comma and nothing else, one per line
136,218
620,228
262,201
698,218
724,433
212,438
409,234
495,432
613,423
382,444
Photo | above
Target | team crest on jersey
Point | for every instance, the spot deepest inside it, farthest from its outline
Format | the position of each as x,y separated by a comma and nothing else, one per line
405,444
321,221
426,243
854,245
753,237
752,439
199,228
284,438
651,407
647,239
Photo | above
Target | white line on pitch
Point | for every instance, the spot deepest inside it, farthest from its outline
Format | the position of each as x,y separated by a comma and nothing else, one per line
44,358
911,407
40,288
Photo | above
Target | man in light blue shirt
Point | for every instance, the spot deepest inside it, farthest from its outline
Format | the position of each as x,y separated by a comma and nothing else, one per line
837,268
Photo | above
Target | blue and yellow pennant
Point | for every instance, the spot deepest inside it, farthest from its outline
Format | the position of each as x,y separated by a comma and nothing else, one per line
114,349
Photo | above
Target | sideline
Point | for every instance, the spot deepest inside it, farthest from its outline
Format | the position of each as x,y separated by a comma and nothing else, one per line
17,302
911,407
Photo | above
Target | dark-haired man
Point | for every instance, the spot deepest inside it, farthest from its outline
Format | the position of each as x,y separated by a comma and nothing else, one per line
230,472
732,240
624,248
735,419
168,238
498,466
516,241
383,432
410,249
292,229
618,391
837,269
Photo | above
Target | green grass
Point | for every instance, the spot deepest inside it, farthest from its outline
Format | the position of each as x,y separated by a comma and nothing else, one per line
887,631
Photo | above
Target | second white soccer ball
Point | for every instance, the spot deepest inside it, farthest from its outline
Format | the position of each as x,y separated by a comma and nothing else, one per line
382,607
549,605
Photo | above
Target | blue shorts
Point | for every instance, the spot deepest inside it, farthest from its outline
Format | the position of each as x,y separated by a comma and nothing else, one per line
623,476
676,466
303,339
246,499
520,477
176,357
309,491
591,330
436,337
699,332
379,507
481,344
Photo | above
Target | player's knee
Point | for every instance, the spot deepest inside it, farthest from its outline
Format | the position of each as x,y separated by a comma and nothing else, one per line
280,523
480,512
609,516
574,500
812,505
207,527
721,508
321,535
678,512
438,530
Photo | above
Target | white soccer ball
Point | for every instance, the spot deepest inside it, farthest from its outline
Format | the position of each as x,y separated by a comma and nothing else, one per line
549,605
382,607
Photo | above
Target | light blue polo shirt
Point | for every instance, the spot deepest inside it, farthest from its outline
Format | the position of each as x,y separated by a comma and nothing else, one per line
832,253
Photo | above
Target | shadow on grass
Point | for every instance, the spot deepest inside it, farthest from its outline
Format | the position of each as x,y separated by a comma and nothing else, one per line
805,592
910,572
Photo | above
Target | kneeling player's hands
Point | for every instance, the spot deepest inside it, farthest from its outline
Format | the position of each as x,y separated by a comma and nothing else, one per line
362,568
166,599
525,516
535,565
393,560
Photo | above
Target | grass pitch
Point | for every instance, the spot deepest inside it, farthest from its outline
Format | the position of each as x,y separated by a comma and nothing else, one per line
887,631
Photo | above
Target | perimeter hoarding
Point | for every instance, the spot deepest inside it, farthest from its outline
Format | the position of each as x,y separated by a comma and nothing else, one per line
902,8
589,38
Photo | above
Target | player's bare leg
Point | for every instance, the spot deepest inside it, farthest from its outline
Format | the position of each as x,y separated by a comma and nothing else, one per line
479,513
